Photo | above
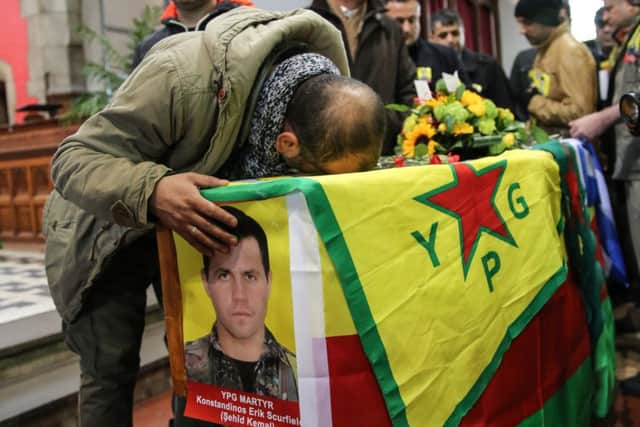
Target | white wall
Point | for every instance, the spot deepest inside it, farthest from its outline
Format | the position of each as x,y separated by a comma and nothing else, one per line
512,41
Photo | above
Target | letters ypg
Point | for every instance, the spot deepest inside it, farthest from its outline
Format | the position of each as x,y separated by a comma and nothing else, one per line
470,200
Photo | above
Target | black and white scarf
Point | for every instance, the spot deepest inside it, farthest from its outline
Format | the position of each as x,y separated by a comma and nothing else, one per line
258,157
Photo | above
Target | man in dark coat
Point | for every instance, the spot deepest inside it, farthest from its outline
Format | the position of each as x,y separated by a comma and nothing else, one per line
484,71
377,54
431,59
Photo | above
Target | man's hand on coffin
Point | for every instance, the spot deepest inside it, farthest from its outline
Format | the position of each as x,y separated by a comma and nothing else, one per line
176,203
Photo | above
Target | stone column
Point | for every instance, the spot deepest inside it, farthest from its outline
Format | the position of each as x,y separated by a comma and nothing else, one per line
56,55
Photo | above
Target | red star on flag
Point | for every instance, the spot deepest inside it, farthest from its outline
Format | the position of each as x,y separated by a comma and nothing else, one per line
470,199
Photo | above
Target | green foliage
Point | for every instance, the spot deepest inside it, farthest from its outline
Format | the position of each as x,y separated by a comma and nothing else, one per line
459,92
421,150
116,67
398,107
539,135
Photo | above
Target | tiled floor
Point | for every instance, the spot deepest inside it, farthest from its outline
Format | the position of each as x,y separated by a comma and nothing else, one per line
23,286
25,301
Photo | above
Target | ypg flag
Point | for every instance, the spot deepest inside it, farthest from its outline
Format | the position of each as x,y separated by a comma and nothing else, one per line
420,296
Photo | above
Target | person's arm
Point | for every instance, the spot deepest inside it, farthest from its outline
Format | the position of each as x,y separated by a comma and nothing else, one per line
593,125
578,81
113,164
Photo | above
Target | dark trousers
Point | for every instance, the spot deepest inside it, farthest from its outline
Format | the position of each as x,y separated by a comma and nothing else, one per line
107,335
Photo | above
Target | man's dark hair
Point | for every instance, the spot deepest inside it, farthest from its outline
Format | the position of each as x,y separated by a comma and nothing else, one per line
566,6
445,17
599,18
334,116
247,227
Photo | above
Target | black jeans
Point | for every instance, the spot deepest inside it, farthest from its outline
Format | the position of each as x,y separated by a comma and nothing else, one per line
107,335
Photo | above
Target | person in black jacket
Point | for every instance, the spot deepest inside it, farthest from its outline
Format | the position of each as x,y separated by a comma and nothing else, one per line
377,54
484,71
181,16
520,82
431,59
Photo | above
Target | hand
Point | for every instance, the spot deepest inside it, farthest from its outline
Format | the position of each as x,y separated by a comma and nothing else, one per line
587,127
177,204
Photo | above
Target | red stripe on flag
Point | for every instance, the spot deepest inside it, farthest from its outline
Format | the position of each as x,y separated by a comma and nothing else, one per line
540,360
356,399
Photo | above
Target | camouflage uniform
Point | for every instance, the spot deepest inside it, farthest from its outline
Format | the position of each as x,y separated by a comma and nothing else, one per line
274,373
205,362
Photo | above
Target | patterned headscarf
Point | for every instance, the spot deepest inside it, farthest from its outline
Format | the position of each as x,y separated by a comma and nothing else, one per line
258,157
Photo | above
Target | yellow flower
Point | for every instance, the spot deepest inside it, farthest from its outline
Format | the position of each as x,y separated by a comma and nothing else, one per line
508,139
442,128
506,114
434,102
462,129
470,98
431,147
478,109
423,129
408,148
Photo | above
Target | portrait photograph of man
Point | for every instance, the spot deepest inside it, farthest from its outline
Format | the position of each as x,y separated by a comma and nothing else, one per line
240,352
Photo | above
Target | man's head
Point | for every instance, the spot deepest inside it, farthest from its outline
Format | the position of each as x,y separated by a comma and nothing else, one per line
239,282
538,18
333,124
603,31
193,5
619,14
447,29
407,14
565,11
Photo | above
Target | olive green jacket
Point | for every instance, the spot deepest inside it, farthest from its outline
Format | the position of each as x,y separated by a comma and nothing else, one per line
182,109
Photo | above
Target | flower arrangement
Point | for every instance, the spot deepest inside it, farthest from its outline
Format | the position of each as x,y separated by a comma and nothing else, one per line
456,122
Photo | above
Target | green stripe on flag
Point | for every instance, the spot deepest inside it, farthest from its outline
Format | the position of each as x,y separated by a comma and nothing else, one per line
571,405
605,364
512,332
329,230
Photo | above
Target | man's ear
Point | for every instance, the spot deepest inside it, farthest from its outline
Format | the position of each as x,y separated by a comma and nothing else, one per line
288,144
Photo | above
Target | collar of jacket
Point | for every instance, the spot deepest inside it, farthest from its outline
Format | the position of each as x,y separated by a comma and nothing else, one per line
558,31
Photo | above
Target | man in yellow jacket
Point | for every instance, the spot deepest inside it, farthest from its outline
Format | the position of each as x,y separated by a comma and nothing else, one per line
563,80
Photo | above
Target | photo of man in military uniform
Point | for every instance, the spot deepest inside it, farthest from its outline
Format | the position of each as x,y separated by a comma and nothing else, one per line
240,352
